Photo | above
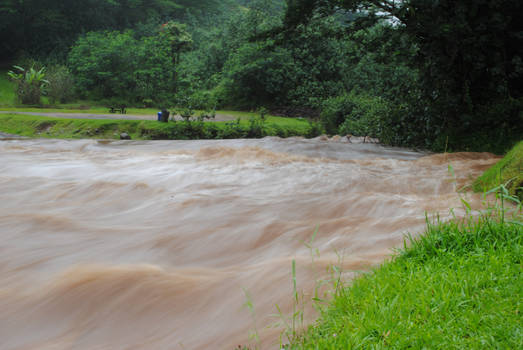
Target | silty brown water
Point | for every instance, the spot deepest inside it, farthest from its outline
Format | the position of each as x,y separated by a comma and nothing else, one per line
150,245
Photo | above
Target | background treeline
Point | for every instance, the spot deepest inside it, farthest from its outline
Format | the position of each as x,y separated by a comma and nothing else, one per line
433,74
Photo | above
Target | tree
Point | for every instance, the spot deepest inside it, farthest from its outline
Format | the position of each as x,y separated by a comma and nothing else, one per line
38,27
469,54
175,35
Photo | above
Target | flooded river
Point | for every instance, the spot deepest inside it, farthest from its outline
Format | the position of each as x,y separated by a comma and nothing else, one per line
152,245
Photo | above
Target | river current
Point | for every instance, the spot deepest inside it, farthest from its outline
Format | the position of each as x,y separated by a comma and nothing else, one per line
155,244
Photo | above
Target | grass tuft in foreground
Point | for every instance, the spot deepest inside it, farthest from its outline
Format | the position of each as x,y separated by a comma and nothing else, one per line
458,286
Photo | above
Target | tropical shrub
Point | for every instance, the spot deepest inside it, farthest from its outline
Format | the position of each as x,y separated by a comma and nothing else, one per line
61,84
30,84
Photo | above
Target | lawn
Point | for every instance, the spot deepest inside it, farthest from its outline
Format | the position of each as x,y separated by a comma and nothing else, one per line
7,95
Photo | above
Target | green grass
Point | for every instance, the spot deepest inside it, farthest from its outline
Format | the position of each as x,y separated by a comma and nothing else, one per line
39,126
458,286
508,170
7,94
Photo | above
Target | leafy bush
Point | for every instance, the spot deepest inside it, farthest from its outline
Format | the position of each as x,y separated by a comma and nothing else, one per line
366,118
256,129
232,130
316,129
30,84
353,114
203,100
61,84
334,112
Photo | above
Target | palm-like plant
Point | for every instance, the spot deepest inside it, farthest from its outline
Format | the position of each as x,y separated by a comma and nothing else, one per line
30,84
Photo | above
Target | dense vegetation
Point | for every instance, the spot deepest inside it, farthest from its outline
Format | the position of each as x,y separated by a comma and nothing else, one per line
438,75
458,286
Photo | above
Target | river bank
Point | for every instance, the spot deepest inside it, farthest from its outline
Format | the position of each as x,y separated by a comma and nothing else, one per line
143,128
457,285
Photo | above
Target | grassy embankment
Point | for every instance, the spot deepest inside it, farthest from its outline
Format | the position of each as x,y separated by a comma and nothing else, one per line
508,171
458,286
7,94
36,126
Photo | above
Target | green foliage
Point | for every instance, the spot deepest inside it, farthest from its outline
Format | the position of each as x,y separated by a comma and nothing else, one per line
468,54
202,99
294,71
61,84
508,171
356,115
176,36
114,64
40,28
178,40
366,117
256,75
7,90
457,286
30,84
334,112
256,129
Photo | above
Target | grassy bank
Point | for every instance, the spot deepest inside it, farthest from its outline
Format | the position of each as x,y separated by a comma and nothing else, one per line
508,171
37,126
456,287
7,94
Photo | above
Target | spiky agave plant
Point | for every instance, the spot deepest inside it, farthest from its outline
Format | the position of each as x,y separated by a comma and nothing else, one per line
30,84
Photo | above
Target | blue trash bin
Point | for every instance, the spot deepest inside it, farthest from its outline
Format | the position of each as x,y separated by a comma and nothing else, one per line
159,116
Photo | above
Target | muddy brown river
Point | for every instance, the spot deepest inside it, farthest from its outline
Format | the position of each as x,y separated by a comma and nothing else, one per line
152,245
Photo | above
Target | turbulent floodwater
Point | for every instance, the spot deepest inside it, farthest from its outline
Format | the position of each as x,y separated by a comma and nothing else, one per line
150,245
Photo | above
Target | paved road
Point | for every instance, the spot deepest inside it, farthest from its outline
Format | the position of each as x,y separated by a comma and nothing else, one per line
219,117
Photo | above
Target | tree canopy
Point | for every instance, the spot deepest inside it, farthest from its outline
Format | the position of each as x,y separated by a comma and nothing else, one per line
40,27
